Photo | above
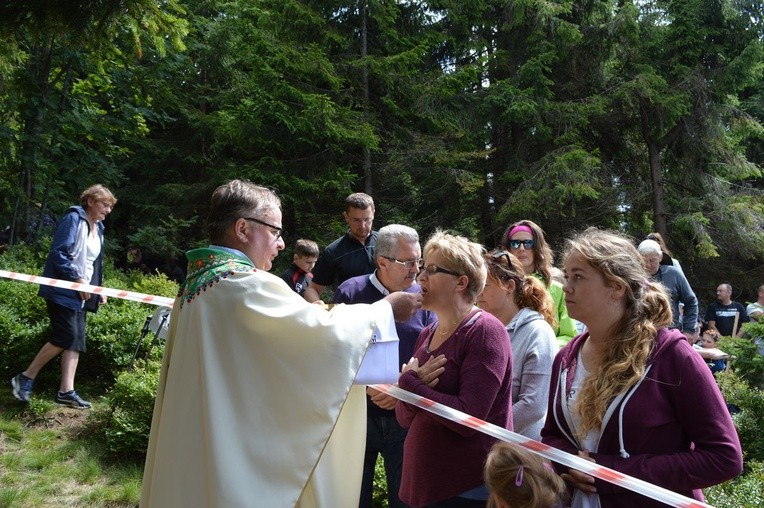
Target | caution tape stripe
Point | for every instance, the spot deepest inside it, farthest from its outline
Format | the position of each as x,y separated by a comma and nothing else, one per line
634,484
87,288
573,461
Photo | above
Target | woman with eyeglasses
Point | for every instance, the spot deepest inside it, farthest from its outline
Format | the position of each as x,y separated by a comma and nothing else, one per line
76,255
524,306
630,393
526,240
464,361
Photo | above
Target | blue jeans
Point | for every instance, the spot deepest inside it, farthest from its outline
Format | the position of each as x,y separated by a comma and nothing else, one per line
383,436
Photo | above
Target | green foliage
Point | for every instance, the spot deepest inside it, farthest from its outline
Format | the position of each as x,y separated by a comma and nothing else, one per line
743,492
23,258
123,425
748,360
696,226
23,318
750,402
115,329
163,238
379,492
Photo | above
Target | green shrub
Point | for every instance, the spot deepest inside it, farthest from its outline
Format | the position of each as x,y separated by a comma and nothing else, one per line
748,362
23,325
26,259
379,492
114,331
123,424
746,490
750,403
112,335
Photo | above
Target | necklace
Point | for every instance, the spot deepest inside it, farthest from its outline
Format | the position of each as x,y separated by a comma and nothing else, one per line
448,330
441,333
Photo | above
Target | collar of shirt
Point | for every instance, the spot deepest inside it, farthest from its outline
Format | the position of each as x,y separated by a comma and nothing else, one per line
375,282
230,250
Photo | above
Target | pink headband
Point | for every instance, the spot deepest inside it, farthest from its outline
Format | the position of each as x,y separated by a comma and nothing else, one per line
517,229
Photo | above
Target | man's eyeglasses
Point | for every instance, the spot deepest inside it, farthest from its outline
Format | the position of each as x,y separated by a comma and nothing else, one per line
408,264
278,232
528,244
431,270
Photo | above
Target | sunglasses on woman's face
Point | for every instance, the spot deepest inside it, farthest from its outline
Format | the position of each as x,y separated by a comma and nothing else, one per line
515,244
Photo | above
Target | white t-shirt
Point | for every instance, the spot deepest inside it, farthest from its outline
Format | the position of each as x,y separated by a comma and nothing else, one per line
93,247
582,499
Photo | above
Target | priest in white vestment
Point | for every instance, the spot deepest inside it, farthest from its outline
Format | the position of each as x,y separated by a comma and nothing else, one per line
255,406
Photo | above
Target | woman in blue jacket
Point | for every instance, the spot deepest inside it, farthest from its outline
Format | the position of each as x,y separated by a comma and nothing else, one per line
76,255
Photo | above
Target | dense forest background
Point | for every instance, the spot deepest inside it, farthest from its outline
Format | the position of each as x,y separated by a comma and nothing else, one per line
462,114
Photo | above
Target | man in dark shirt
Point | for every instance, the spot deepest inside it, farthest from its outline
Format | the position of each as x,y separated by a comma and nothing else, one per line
723,314
397,256
350,255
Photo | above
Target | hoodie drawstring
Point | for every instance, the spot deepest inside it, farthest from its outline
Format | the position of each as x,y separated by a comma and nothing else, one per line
621,444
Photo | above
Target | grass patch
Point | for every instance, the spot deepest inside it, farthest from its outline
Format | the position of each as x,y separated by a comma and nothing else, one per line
46,463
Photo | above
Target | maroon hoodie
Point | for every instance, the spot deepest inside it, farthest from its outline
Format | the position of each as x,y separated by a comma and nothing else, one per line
671,429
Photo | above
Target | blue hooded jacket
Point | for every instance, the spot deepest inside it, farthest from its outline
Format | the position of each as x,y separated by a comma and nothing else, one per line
67,260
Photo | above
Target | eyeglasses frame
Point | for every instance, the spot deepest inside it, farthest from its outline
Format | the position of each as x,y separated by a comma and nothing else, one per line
523,243
279,231
412,263
436,269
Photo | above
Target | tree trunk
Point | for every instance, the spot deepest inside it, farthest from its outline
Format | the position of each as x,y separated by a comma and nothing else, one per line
367,180
38,73
654,149
656,178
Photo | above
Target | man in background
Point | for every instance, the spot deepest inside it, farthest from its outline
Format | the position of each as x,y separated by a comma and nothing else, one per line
756,309
350,255
678,287
724,315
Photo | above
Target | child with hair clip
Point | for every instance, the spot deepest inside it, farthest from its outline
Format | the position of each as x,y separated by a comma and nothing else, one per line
518,478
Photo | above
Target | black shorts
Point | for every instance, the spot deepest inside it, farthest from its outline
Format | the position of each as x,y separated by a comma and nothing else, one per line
68,327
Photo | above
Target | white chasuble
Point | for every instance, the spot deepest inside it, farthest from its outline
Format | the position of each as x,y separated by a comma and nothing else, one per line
255,388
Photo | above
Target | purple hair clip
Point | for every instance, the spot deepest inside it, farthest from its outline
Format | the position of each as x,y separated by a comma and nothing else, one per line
519,477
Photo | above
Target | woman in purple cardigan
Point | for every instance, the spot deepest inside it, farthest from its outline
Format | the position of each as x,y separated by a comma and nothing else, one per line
463,361
631,394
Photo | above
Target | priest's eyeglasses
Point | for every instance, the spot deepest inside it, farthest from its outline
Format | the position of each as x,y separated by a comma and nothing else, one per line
278,232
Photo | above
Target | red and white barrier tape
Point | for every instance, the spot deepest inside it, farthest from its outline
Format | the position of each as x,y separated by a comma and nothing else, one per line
87,288
634,484
628,482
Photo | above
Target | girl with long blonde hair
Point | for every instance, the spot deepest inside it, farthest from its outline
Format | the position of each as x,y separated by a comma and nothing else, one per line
630,393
